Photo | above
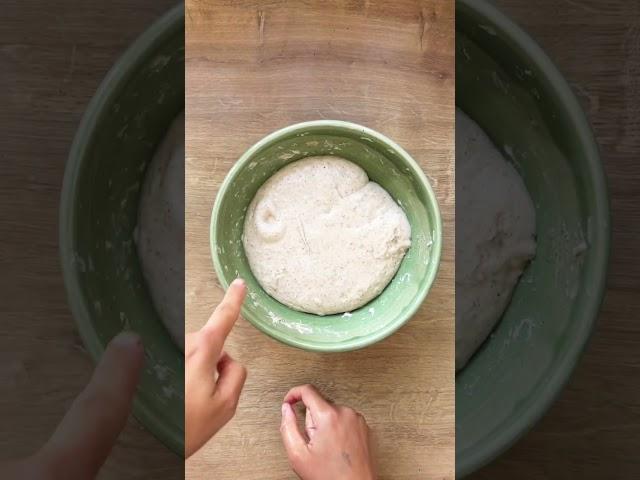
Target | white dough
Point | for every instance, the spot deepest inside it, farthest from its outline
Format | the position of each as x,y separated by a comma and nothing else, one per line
495,235
160,232
321,238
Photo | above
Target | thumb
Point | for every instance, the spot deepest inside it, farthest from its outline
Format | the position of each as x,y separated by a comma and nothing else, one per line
83,439
294,442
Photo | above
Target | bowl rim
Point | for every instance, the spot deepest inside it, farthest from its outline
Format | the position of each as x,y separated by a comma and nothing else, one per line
499,442
436,249
115,80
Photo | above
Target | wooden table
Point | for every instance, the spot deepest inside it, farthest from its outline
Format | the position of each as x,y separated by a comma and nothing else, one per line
254,67
52,59
593,430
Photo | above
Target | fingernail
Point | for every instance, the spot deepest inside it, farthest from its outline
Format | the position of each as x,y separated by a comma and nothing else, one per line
285,409
238,282
128,340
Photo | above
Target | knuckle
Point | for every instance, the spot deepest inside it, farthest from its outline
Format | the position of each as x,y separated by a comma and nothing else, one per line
357,415
332,415
310,387
97,403
231,404
93,400
296,458
350,414
208,335
226,406
225,310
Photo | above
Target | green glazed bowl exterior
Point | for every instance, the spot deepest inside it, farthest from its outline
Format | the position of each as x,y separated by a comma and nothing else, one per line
123,124
507,84
387,164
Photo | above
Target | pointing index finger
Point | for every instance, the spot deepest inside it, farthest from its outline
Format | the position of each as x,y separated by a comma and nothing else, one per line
226,313
86,434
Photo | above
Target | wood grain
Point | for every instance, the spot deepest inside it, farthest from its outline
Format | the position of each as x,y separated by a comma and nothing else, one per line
254,67
593,430
52,59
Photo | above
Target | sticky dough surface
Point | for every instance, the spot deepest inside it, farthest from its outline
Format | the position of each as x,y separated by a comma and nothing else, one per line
495,235
321,238
160,232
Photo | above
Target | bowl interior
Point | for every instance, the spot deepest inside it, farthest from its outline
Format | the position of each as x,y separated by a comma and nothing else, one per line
123,125
509,87
386,164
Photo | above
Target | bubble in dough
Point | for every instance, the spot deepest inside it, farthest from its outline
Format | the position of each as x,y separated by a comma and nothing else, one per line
495,235
160,231
321,238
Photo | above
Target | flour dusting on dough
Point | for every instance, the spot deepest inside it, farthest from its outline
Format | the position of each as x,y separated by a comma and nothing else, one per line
321,238
160,230
495,235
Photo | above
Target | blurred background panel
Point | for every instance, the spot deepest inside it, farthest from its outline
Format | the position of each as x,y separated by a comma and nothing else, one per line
593,430
53,56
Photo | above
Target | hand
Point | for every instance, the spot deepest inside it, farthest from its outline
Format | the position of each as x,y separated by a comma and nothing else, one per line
336,446
83,440
209,402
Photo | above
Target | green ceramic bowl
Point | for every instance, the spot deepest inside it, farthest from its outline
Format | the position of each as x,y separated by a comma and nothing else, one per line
387,164
508,85
121,128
